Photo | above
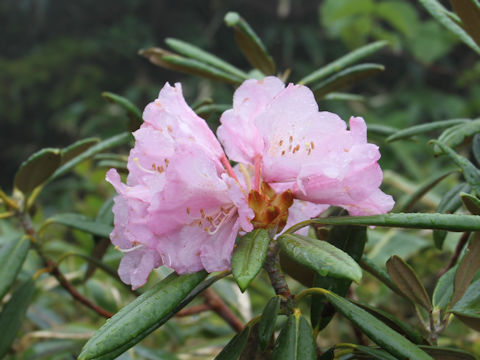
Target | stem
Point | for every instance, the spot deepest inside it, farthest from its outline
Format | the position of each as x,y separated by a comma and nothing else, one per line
272,267
215,303
458,250
192,310
55,271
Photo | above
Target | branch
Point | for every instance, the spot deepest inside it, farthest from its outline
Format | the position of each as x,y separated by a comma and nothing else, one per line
458,250
272,267
215,303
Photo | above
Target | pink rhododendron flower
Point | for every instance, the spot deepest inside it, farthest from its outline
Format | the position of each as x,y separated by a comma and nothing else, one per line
183,205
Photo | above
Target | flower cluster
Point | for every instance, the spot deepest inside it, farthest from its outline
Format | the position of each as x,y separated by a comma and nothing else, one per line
183,203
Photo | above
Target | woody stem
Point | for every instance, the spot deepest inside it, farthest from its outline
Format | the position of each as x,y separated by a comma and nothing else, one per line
272,267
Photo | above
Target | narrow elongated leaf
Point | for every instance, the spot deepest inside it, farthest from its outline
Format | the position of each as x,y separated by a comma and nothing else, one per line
467,309
234,348
444,289
339,96
409,201
196,53
472,203
133,112
441,15
320,256
77,148
249,256
467,268
379,129
407,281
206,110
350,239
13,313
37,169
346,77
424,128
81,222
12,256
267,323
476,148
141,316
377,331
450,203
343,62
295,341
250,44
106,144
450,222
469,12
375,353
439,353
456,135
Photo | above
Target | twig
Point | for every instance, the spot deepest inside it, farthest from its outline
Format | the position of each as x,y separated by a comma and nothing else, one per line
215,303
458,250
272,266
55,271
193,310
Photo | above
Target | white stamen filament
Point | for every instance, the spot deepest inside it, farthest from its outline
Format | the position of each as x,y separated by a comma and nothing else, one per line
129,250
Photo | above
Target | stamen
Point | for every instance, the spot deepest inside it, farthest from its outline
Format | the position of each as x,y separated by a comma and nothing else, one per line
246,176
142,168
228,167
129,250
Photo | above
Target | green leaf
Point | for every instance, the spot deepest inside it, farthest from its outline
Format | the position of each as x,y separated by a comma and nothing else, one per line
206,110
379,129
469,12
467,268
133,112
196,53
295,341
343,62
467,309
338,96
77,148
377,331
449,204
407,281
476,148
142,316
249,256
444,289
472,203
80,222
13,313
379,273
234,348
250,44
12,255
267,322
346,77
440,353
320,256
109,143
410,200
350,239
441,15
37,169
457,135
424,128
375,353
450,222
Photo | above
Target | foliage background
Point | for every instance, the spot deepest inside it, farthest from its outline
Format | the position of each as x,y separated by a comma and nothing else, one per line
58,56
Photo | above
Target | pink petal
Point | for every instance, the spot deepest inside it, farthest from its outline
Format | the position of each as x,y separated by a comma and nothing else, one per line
377,203
301,211
136,266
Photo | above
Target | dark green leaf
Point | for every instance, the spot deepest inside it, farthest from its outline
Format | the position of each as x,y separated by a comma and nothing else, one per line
77,148
380,129
37,169
343,62
407,281
250,44
441,15
196,53
116,140
346,77
320,256
467,268
376,354
205,110
249,256
267,323
12,255
133,113
476,148
472,203
450,222
444,289
295,341
467,308
338,96
234,348
13,313
377,331
439,353
81,222
456,135
143,315
469,12
449,204
424,128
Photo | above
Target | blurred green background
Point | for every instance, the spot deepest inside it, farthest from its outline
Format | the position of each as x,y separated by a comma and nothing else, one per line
58,56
